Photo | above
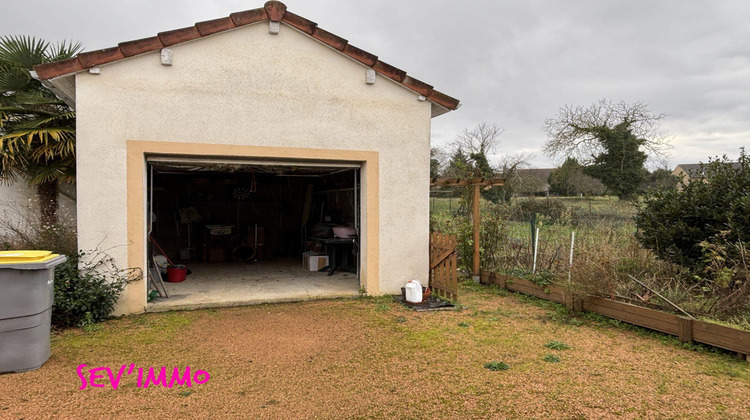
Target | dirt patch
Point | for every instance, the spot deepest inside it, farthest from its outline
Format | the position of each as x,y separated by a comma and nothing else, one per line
364,358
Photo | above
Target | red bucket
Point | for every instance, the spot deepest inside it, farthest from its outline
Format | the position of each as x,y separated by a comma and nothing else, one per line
176,274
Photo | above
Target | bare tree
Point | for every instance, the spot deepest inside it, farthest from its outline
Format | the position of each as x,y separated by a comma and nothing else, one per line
438,161
483,139
513,162
577,131
508,169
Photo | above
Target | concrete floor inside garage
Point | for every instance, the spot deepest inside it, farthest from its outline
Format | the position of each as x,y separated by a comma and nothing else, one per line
239,283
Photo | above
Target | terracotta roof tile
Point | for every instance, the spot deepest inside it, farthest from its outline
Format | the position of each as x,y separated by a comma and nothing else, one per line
275,10
179,35
360,55
418,86
272,10
389,71
57,68
249,16
95,58
304,25
334,41
140,46
444,100
211,27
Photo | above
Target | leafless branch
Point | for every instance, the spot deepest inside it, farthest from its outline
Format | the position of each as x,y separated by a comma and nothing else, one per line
484,138
574,131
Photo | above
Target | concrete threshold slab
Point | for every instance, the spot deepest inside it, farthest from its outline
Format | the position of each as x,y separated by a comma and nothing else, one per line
238,284
164,307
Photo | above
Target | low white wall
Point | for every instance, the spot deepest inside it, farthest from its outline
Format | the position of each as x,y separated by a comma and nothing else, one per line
19,205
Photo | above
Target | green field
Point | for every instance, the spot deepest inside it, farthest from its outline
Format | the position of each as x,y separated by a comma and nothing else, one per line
606,254
595,221
609,208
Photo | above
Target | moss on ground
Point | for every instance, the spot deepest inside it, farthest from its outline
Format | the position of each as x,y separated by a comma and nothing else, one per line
372,357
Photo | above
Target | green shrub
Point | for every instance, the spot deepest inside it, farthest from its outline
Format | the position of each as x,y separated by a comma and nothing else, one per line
725,280
551,358
462,228
495,366
557,345
86,294
674,223
706,229
493,234
553,210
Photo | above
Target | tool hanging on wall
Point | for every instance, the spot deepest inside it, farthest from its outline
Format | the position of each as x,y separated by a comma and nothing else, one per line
243,193
253,183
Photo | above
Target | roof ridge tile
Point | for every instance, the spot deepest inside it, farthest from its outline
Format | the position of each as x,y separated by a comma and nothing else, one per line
390,71
444,100
140,46
210,27
329,39
249,16
360,55
418,86
95,58
57,68
276,10
177,36
305,25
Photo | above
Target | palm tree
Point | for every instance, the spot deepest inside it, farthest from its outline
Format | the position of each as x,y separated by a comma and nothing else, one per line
37,130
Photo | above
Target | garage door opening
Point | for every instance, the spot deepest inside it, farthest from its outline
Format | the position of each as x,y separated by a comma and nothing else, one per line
253,231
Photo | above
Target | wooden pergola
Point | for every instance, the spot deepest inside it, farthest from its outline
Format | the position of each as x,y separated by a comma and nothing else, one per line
477,183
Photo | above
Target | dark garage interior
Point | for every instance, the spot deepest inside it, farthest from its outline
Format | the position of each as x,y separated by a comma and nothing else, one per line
252,231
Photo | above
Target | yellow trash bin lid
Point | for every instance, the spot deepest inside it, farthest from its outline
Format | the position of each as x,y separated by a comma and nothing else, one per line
25,257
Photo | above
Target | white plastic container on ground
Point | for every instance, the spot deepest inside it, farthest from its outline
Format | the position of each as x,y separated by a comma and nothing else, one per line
413,292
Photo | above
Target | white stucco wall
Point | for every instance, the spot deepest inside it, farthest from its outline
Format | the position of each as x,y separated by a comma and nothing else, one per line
19,204
248,87
16,203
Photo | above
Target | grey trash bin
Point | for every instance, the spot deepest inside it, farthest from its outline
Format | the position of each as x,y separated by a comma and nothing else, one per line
26,293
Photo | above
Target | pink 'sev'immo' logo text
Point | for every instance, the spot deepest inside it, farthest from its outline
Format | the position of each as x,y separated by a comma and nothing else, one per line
153,376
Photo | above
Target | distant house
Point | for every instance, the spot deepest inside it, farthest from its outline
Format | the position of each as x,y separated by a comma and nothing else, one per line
687,172
532,181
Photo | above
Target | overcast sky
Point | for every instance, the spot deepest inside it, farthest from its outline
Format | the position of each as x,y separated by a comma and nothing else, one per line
511,63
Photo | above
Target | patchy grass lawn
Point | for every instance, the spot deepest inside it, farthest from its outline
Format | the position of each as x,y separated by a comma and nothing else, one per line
370,357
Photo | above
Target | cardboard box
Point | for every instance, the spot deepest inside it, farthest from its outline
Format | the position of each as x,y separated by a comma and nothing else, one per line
217,254
314,261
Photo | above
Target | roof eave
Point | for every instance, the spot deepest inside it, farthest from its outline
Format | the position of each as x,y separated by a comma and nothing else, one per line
438,110
64,87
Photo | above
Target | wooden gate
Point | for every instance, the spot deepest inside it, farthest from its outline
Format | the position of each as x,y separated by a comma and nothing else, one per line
443,265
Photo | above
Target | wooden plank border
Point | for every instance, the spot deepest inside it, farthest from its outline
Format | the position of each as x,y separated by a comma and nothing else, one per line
644,317
688,330
517,284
